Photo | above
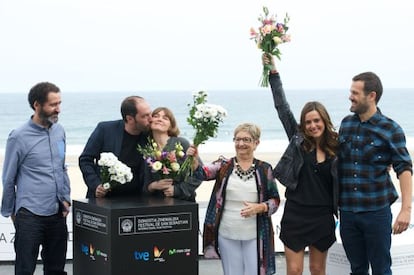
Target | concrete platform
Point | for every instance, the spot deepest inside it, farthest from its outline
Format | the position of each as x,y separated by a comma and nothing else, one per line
206,267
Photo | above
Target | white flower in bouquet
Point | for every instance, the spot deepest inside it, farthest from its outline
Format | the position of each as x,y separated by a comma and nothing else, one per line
198,115
175,166
106,185
156,166
107,159
113,171
180,154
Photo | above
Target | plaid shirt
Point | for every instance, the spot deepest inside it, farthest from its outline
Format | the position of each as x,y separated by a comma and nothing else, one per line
367,149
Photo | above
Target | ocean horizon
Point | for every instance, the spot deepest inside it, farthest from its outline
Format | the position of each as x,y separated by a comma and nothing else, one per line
82,111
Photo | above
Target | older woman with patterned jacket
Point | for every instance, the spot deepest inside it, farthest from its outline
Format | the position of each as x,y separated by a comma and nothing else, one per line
238,224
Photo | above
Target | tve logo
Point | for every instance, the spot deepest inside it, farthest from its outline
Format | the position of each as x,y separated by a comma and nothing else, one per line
141,256
85,249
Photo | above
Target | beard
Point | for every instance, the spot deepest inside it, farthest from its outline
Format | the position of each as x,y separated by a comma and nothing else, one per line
48,118
140,127
359,108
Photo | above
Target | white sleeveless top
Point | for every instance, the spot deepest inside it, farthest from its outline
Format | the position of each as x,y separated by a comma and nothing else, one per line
233,225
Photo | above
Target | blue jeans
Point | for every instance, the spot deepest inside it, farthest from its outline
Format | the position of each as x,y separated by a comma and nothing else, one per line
366,237
32,231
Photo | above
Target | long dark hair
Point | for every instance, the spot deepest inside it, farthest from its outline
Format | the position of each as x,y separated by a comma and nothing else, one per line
329,139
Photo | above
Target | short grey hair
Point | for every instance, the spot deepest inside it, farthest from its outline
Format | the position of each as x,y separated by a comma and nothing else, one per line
251,128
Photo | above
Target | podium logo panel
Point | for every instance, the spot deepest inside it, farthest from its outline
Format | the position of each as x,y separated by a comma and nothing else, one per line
91,221
142,224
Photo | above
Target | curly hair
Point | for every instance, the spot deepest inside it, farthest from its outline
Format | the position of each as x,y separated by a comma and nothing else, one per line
40,92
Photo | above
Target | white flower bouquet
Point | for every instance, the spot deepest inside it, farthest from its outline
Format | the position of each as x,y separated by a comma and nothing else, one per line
205,119
113,171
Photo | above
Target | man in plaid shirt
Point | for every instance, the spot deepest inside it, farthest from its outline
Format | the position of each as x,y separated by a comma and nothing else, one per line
370,143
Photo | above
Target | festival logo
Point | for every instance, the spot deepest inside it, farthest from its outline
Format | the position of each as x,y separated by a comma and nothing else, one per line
127,225
78,217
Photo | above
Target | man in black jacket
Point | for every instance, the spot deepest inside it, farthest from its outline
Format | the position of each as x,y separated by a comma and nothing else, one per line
120,137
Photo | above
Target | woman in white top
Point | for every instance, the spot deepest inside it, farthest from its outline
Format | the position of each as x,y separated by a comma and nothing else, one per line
238,224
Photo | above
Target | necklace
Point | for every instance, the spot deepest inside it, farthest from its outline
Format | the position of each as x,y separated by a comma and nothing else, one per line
242,174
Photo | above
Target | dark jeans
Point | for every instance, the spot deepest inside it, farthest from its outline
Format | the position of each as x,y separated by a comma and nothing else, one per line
32,231
366,238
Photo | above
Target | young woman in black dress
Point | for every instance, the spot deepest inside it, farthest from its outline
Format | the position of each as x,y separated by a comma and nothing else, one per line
308,170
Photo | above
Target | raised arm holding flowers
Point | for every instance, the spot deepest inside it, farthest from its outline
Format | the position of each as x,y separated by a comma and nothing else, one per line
268,37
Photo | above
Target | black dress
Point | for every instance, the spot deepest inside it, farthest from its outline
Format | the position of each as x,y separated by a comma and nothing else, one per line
308,218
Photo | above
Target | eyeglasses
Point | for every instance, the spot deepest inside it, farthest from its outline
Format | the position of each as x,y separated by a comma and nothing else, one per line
244,139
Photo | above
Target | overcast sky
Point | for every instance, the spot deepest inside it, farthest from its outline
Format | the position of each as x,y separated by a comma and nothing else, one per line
139,45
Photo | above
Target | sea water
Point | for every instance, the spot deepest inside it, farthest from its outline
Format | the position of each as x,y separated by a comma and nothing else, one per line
81,111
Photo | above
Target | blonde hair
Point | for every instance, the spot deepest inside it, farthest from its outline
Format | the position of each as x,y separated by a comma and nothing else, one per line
251,128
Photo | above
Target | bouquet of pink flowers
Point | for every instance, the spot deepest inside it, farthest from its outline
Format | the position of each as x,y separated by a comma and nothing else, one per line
164,164
268,37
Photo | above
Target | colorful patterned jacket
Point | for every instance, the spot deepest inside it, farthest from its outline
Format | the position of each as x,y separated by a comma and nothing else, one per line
267,193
